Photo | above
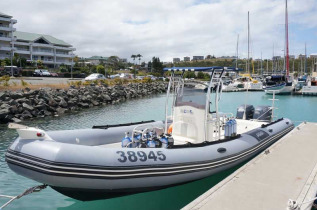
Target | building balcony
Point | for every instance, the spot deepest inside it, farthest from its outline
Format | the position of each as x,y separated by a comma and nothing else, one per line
48,61
64,48
20,43
66,63
7,28
42,53
5,38
5,48
65,55
42,45
6,19
24,52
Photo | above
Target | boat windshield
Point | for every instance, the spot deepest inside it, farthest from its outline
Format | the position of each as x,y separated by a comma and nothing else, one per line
192,97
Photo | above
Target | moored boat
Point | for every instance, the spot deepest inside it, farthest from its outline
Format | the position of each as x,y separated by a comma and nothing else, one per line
196,141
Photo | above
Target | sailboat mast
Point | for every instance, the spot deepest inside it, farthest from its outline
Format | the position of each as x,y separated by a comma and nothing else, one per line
286,39
248,68
237,52
305,67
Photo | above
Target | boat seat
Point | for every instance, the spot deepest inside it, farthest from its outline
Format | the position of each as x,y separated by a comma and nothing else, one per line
184,132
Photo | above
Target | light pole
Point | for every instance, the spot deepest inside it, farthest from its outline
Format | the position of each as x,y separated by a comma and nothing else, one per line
11,62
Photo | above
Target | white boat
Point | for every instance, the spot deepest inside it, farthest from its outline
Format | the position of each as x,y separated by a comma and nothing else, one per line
311,87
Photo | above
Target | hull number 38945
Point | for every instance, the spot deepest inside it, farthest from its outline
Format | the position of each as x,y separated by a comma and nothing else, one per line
134,156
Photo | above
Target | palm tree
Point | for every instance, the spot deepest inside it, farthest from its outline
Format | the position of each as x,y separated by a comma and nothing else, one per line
134,57
139,56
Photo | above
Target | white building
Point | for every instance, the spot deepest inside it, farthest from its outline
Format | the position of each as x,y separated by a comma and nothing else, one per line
51,51
96,60
176,60
196,58
6,35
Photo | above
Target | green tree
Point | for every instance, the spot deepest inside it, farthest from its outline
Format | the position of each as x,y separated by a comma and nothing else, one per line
8,62
100,69
39,64
3,63
157,65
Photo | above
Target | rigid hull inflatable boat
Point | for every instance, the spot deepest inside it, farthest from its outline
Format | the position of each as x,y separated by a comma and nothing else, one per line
110,161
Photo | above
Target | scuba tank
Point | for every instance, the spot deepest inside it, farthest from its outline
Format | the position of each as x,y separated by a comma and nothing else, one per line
126,141
164,141
136,140
228,129
150,142
234,127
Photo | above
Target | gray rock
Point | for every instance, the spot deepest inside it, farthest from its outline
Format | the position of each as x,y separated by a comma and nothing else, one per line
5,106
16,95
16,120
106,97
27,107
52,102
3,95
26,114
14,109
4,113
63,103
60,110
83,105
95,103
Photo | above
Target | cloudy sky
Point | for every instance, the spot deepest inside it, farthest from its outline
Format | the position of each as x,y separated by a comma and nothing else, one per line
169,28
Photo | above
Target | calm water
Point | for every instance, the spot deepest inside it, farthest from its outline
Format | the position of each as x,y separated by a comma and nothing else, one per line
297,108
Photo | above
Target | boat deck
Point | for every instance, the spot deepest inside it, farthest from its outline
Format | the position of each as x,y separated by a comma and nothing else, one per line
286,170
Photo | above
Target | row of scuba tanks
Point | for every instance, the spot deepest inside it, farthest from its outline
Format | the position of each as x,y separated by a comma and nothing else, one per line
230,128
148,140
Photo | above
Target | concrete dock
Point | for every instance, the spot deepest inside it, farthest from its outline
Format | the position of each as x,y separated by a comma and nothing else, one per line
286,170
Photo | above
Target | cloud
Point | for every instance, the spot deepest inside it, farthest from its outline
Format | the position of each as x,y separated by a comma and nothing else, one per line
165,28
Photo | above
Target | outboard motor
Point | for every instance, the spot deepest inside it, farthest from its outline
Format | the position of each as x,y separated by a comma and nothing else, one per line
248,109
126,141
263,113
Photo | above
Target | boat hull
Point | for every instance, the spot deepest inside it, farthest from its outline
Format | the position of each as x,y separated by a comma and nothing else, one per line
281,89
309,90
78,170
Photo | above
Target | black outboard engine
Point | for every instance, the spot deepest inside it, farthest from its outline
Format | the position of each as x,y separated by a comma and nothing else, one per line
248,109
263,113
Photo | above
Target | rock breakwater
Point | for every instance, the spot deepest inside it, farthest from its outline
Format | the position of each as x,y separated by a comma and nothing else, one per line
16,106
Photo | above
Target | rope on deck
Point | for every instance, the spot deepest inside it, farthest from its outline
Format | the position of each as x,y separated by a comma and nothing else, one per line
294,205
26,192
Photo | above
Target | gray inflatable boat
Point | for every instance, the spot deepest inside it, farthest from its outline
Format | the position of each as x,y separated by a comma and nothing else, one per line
115,160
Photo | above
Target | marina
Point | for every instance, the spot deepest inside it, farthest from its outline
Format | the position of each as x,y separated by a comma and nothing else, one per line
285,171
138,110
182,105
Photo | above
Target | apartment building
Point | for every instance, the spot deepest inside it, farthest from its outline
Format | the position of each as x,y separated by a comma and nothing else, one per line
186,58
176,60
196,58
96,60
51,51
6,35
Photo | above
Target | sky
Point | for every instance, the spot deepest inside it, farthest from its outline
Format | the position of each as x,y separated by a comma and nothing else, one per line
170,28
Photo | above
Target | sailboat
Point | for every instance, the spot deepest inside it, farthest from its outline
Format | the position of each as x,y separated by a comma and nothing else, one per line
251,84
281,84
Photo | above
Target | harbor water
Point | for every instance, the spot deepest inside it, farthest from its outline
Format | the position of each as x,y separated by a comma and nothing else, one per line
297,108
